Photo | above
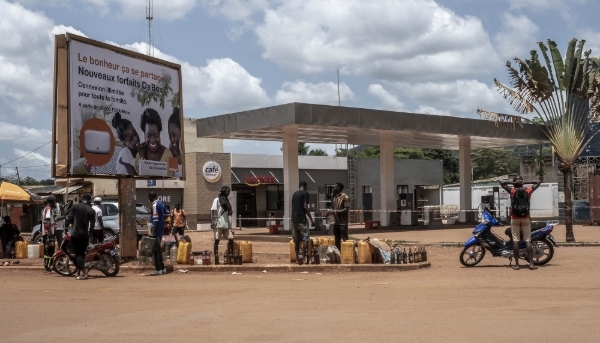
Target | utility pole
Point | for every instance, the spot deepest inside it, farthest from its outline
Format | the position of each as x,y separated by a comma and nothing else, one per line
149,33
18,177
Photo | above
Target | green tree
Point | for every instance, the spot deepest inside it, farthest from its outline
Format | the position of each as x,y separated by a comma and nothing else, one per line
565,95
317,152
449,163
302,149
488,163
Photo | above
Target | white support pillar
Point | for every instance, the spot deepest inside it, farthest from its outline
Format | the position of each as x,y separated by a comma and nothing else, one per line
464,175
386,167
290,172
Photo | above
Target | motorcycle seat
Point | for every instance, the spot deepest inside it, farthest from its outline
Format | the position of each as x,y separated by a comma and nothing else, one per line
537,225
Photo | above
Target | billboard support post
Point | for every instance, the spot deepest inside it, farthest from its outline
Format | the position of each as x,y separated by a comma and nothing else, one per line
127,217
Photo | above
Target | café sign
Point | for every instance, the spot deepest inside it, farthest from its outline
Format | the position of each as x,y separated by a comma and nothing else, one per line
211,171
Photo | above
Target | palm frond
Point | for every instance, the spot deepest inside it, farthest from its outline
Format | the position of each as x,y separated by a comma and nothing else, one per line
501,120
559,66
570,63
519,102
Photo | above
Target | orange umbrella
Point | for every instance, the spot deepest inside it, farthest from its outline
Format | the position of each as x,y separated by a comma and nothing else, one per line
12,193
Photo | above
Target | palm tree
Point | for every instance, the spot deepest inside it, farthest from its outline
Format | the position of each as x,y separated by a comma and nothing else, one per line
564,95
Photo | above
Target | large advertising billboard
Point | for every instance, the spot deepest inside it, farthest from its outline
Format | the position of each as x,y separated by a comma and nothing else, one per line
124,113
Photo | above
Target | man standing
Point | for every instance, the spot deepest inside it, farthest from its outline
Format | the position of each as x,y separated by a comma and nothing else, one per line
300,211
83,219
179,221
98,233
341,206
157,224
8,234
48,238
519,218
222,223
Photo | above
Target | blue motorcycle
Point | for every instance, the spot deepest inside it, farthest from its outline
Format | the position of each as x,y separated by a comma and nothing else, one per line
542,242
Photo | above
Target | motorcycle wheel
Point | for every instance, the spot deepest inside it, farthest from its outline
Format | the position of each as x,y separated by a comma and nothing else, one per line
471,256
546,247
113,270
63,266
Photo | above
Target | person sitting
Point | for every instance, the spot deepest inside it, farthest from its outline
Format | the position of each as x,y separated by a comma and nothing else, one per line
9,233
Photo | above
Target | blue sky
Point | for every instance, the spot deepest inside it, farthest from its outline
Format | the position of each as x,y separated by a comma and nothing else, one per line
418,56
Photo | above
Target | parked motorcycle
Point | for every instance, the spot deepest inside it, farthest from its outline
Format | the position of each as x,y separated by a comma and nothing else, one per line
542,242
103,257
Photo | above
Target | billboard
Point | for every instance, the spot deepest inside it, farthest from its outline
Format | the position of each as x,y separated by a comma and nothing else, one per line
123,112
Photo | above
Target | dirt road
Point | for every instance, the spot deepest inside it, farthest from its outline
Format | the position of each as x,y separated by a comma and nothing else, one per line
444,303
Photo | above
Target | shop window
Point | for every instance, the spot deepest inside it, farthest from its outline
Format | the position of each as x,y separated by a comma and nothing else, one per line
367,189
274,197
110,210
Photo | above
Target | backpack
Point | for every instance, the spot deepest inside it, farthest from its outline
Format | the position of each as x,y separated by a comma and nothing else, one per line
520,203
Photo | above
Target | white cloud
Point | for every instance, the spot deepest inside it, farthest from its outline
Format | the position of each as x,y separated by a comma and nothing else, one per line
325,93
431,110
517,37
31,157
388,100
395,39
17,133
222,84
127,9
458,98
26,57
563,7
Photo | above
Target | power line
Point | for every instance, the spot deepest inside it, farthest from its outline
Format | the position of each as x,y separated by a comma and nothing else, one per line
40,166
32,151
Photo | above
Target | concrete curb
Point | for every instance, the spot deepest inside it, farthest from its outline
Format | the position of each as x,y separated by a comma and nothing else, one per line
273,268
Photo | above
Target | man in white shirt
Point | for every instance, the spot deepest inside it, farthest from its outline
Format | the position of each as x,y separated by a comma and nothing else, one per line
98,233
48,226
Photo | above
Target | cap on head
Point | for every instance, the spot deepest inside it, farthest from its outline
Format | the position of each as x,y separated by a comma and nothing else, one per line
152,196
340,185
86,198
303,184
517,178
97,200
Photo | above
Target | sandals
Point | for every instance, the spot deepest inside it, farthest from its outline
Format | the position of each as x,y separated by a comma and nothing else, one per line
516,267
534,267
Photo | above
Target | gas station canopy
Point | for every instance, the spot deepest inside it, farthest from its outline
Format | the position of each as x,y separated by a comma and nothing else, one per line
359,126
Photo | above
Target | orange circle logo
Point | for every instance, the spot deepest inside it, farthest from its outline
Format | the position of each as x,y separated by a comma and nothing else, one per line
97,142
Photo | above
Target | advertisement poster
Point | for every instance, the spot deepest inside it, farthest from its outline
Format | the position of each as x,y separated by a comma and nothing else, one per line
125,115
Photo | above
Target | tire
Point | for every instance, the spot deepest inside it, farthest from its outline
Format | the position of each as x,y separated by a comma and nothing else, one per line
475,254
548,248
115,266
63,266
38,239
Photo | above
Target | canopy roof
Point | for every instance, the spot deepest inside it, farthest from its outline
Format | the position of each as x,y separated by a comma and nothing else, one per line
12,193
359,126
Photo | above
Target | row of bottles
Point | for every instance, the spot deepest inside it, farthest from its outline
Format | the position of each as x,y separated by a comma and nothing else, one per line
401,256
232,257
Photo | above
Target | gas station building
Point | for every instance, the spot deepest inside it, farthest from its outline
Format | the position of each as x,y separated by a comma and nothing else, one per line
384,178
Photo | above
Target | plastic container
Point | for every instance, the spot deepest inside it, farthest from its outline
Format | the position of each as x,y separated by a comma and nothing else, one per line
21,249
33,251
292,251
173,254
246,251
364,253
41,253
348,254
183,252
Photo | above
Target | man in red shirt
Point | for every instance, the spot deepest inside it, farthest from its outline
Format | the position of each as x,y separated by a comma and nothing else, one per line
519,218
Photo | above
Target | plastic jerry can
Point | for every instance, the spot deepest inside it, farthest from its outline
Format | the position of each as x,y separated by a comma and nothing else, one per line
183,252
348,255
246,250
292,251
33,251
21,249
364,253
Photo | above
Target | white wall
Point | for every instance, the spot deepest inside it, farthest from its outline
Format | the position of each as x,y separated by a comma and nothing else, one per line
544,202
